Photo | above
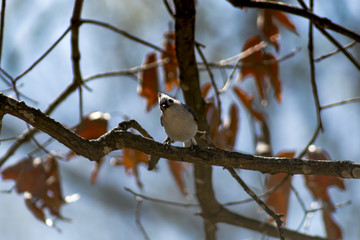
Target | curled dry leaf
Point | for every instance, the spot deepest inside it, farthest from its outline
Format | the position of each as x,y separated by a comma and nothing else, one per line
40,182
130,160
318,186
333,231
266,24
171,67
177,170
92,126
148,82
278,199
205,88
213,119
247,101
263,67
224,137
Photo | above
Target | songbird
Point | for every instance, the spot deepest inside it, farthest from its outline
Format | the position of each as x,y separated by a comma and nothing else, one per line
179,121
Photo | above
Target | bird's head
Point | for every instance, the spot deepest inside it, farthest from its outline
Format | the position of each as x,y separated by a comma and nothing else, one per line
165,101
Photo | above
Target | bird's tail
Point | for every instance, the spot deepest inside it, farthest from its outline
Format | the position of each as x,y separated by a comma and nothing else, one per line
190,143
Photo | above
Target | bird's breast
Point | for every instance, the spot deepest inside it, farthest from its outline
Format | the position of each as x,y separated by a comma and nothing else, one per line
179,124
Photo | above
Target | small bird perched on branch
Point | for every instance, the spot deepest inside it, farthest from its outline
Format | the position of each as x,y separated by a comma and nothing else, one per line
179,121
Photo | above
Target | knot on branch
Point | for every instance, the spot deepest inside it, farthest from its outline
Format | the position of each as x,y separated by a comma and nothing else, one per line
125,125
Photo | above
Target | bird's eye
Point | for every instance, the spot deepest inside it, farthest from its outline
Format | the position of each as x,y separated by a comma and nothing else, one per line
171,101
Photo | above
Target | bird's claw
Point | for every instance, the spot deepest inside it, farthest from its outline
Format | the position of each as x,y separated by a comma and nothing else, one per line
193,147
167,143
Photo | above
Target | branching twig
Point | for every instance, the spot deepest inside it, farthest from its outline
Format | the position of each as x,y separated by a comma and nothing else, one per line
265,207
201,67
264,194
124,126
222,65
168,8
124,33
238,58
340,47
312,71
44,55
160,201
320,22
75,51
351,100
335,52
207,67
27,135
138,218
319,126
128,72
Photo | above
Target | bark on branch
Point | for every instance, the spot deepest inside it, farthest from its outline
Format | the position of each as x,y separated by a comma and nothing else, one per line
118,138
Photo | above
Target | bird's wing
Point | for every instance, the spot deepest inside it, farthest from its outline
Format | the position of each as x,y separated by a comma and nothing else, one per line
161,120
192,111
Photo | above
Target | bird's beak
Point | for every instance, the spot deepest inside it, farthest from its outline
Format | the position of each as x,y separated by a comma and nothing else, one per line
163,106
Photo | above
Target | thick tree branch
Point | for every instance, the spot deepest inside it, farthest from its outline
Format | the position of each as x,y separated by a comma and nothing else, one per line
117,138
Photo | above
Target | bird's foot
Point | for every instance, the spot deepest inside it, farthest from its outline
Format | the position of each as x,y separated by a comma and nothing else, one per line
168,142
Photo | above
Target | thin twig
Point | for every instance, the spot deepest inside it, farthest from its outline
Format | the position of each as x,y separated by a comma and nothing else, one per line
244,54
8,78
37,143
125,125
266,208
10,190
319,126
312,71
3,5
211,78
338,205
264,194
340,47
26,135
238,58
356,99
311,141
160,201
168,8
335,52
44,55
328,36
297,195
75,51
47,142
124,33
305,221
128,72
222,65
138,218
201,67
320,22
303,5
